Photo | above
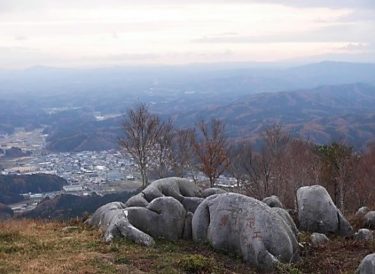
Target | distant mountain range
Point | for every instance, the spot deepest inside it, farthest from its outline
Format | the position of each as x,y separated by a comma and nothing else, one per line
323,101
324,114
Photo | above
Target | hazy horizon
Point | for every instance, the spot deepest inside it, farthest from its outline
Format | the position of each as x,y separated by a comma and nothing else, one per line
127,33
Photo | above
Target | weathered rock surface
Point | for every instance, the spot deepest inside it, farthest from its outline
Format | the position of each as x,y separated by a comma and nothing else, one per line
367,265
212,191
158,211
364,234
318,213
287,218
318,239
191,203
273,201
112,219
104,215
247,227
369,219
137,200
188,234
175,187
164,218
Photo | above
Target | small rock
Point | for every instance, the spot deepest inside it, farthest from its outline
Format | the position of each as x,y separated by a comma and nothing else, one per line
70,229
367,265
364,234
318,239
362,211
369,219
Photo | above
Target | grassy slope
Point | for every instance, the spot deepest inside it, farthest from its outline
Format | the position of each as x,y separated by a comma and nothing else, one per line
28,246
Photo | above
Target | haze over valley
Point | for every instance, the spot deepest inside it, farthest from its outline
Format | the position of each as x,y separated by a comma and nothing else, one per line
81,109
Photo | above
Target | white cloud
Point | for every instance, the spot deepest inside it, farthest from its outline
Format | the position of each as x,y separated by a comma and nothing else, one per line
95,32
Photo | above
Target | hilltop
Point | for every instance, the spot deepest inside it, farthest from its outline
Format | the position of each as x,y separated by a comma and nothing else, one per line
30,246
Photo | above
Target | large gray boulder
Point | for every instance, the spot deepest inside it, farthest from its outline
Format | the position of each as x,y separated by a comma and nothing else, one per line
273,201
364,234
164,218
369,219
175,187
318,213
367,266
247,227
113,221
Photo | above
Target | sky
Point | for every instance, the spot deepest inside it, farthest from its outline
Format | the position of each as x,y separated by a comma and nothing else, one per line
95,33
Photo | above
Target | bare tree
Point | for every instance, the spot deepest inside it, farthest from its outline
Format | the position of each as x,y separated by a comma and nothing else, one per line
245,167
141,131
183,152
163,157
211,148
271,165
337,161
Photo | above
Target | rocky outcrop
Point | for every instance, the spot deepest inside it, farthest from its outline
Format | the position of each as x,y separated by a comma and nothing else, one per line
273,201
164,209
183,190
318,213
367,265
247,227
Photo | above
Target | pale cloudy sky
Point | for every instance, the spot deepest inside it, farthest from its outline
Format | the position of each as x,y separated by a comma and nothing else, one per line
122,32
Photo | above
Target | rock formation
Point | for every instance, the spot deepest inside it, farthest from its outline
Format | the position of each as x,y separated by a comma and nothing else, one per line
247,227
318,213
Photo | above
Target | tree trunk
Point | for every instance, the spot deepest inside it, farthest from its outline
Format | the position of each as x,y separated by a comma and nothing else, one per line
341,196
144,178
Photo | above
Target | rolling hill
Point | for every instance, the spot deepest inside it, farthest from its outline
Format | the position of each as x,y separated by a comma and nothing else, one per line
341,113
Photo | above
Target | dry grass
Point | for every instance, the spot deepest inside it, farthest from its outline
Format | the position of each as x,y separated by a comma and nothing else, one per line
43,247
28,246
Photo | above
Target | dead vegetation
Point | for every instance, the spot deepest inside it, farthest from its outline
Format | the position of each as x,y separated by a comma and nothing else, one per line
29,246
